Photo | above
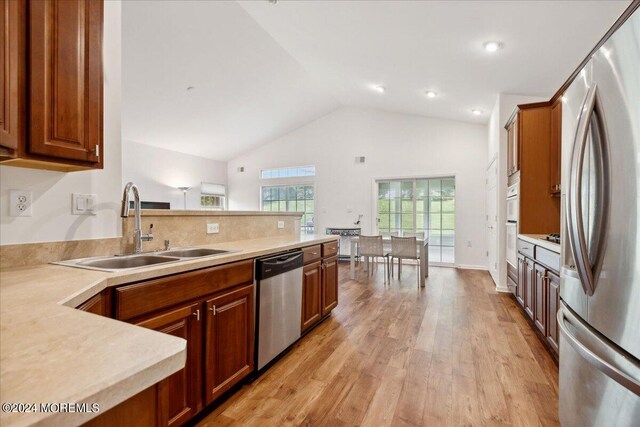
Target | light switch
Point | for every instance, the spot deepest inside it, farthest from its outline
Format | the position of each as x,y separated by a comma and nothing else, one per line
83,204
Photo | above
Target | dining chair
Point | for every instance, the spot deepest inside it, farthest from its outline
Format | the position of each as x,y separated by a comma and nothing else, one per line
404,248
372,247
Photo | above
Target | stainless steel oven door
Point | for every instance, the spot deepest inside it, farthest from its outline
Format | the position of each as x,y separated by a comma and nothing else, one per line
513,209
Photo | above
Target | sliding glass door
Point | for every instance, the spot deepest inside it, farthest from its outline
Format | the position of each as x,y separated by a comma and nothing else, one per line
420,205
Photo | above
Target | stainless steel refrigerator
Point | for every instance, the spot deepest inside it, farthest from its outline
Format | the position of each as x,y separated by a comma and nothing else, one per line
599,316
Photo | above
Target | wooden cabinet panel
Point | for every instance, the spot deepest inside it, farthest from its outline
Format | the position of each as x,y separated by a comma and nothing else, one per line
311,295
329,249
529,272
145,409
553,287
513,148
329,284
555,147
97,304
522,278
229,340
184,386
311,254
12,76
134,300
539,294
65,79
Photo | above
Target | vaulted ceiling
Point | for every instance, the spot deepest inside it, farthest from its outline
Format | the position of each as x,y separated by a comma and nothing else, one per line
258,70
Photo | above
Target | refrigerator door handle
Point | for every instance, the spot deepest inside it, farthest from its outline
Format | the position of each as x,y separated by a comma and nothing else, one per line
577,237
609,368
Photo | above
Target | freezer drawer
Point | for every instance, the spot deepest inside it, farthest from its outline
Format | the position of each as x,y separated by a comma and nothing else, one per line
598,382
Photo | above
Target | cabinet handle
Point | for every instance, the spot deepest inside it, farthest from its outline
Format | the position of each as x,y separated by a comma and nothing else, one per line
213,310
197,314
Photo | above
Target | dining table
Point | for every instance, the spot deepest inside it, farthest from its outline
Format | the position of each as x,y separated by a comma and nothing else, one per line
423,250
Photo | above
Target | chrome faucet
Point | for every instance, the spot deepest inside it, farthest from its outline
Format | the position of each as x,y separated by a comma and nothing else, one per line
138,237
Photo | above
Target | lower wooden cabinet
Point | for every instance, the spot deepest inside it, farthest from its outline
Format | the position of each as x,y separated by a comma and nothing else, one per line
229,340
329,284
539,294
529,282
184,398
521,281
311,295
98,304
553,289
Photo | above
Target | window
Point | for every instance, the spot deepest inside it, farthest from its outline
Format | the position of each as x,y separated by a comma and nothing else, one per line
212,196
420,205
291,198
294,172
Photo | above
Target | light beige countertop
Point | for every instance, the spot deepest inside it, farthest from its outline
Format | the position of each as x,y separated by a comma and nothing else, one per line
53,353
539,239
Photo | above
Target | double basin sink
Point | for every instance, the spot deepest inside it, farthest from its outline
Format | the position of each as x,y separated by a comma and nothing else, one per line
124,262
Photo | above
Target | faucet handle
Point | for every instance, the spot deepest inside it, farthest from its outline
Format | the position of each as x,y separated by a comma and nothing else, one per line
167,243
149,236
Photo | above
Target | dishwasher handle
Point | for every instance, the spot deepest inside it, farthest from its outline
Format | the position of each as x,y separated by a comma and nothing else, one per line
279,264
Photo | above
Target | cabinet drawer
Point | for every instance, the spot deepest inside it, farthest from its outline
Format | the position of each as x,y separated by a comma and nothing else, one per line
311,253
548,258
140,298
526,248
329,249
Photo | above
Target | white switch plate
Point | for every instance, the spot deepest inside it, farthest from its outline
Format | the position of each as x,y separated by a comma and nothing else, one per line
213,228
20,203
280,224
83,204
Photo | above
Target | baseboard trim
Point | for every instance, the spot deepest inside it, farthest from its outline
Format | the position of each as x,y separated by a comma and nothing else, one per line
504,290
471,267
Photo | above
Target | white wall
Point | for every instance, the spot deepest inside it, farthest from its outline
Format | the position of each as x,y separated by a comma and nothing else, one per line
158,172
497,143
52,219
395,145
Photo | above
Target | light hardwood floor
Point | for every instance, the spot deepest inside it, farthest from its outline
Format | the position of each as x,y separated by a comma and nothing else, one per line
453,353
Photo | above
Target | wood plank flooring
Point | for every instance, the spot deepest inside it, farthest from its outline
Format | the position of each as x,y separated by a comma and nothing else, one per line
453,353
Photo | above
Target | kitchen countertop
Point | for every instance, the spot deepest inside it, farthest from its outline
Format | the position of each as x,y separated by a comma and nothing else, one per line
53,353
539,239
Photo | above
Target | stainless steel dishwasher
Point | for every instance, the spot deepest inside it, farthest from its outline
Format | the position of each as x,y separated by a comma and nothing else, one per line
279,303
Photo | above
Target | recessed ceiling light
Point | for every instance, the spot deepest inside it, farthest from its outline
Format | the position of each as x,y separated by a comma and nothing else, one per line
431,94
476,112
379,88
492,46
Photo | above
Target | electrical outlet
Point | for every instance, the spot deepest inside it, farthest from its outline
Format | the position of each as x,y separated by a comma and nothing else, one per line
213,228
280,224
20,203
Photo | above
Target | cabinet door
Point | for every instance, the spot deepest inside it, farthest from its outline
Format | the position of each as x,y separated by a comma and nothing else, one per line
65,78
184,386
12,76
329,284
529,286
539,294
553,298
555,147
513,163
228,340
522,279
311,295
97,304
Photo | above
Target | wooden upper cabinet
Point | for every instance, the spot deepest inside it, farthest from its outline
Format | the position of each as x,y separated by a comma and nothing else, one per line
311,295
329,284
513,148
65,54
229,340
12,76
555,147
184,392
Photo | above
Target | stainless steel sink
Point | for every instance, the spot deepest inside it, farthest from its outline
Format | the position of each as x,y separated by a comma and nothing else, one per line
194,252
120,262
126,262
